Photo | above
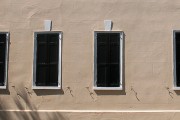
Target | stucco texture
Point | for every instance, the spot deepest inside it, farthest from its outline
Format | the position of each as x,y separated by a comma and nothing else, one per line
148,56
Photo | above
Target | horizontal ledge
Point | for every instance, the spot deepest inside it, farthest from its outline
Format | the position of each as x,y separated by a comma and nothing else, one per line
107,88
46,87
41,31
176,88
111,31
2,87
97,111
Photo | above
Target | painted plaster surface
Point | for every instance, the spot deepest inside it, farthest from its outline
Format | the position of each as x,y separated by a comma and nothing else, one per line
148,57
88,116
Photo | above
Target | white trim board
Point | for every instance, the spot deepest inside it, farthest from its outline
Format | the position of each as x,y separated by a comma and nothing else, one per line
97,111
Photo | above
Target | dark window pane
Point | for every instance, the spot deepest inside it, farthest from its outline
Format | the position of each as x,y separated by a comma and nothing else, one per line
178,73
42,48
2,38
42,38
178,47
108,53
102,37
102,54
41,75
2,72
114,75
114,48
2,47
53,38
178,59
53,51
102,76
2,58
102,48
177,53
2,52
53,75
42,54
114,54
114,38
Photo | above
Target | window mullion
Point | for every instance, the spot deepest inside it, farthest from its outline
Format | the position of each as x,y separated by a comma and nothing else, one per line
108,61
48,60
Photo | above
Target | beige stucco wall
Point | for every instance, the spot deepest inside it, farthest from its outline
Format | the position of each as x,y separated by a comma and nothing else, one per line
88,116
148,55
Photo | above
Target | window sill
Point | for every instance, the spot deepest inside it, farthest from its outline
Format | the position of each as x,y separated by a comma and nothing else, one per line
107,88
176,88
2,87
46,87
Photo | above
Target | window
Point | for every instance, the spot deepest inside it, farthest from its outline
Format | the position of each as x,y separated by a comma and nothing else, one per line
4,43
108,54
176,36
47,60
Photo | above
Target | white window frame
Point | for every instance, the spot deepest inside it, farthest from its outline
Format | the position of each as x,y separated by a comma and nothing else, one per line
121,61
6,61
34,61
175,87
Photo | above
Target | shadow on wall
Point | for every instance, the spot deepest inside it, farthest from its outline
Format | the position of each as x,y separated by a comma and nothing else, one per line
23,101
110,92
177,92
31,116
48,92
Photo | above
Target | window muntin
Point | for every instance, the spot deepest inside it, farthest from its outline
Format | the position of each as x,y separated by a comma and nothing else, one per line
108,60
47,60
4,43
